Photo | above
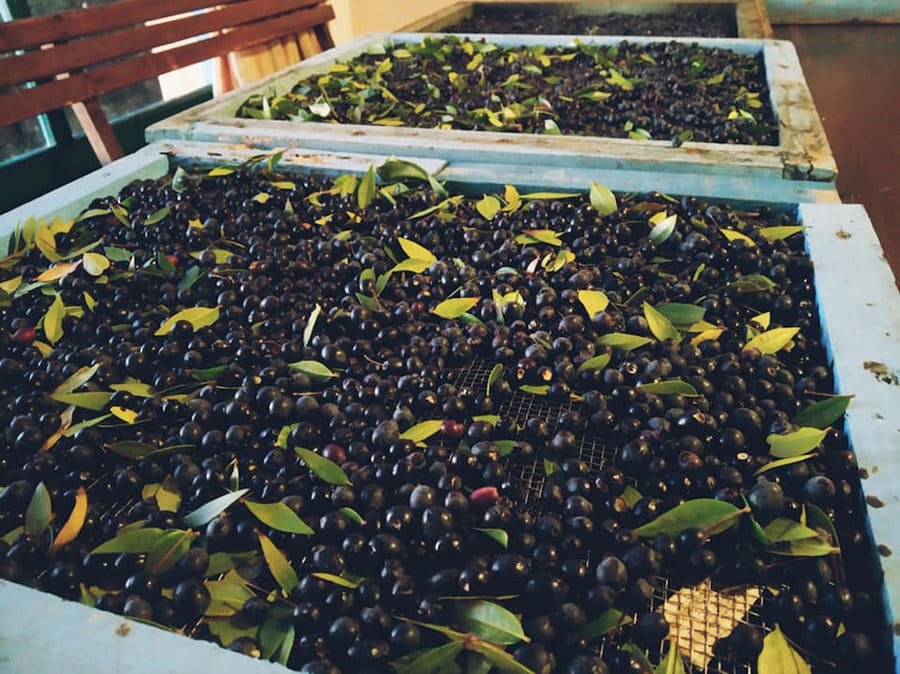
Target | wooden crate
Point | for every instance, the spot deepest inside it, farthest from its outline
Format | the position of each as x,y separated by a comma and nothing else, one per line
803,153
749,15
859,307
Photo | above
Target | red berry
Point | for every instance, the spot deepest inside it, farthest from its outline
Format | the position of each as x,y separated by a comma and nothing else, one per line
25,335
173,259
334,453
484,496
451,429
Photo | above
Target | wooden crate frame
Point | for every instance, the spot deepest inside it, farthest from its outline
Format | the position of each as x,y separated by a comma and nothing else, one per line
803,153
859,307
750,15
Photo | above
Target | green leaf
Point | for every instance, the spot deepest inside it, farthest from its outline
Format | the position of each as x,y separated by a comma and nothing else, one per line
397,169
218,171
271,635
157,216
134,541
535,390
660,326
593,301
222,562
134,387
94,400
284,435
547,236
287,645
783,232
631,496
208,511
495,374
323,468
210,373
799,442
53,320
603,200
823,413
752,283
166,552
180,180
278,516
500,660
662,230
681,314
498,535
639,655
488,206
165,264
671,386
609,620
351,515
168,496
779,657
227,596
132,449
77,380
39,512
312,369
772,465
416,252
410,264
702,513
422,430
623,341
673,663
793,539
282,571
491,622
817,519
311,325
351,583
438,660
772,341
595,363
734,235
117,254
540,196
87,423
198,317
365,193
455,307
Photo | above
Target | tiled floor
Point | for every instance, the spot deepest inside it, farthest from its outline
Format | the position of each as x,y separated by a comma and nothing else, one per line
853,72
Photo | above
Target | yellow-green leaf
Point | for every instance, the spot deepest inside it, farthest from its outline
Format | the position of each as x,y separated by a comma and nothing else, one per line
123,413
593,301
779,657
53,319
782,232
72,527
58,271
794,444
603,200
282,571
734,235
76,381
95,264
453,308
422,431
772,341
323,468
278,516
46,243
415,251
488,206
39,512
198,317
365,194
660,326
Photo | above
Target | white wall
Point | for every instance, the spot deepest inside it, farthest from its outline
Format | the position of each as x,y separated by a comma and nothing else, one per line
357,17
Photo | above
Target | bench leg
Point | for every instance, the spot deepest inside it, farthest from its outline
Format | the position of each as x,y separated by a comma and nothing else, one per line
98,131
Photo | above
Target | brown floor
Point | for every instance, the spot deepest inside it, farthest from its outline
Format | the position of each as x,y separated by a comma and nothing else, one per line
854,75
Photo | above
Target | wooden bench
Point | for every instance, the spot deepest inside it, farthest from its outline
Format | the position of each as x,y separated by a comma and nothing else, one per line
71,58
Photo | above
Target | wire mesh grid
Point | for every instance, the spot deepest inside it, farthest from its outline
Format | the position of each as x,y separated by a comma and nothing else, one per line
698,615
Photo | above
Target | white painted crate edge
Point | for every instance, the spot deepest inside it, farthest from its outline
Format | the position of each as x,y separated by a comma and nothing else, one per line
804,153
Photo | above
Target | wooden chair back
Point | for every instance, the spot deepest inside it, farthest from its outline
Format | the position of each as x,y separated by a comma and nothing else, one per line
73,57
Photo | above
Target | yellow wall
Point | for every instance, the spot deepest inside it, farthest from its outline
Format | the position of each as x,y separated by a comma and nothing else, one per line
357,17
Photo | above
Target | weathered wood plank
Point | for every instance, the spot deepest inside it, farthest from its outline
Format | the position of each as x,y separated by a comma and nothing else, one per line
803,154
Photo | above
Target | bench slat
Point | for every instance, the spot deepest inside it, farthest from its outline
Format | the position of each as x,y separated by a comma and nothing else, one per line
26,103
71,56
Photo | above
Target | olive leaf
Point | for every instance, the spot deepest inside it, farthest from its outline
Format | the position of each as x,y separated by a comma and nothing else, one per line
312,369
158,216
752,283
168,496
816,518
94,400
134,387
734,235
623,341
603,200
709,514
272,633
323,468
287,645
799,442
681,314
662,230
498,535
631,496
124,414
772,341
605,623
210,373
39,512
762,320
539,196
639,655
490,621
415,251
437,660
550,467
132,449
396,169
668,387
488,206
673,663
823,413
495,374
222,562
536,390
660,326
311,324
422,430
779,657
453,308
166,552
547,236
365,193
791,538
81,377
227,596
593,301
278,516
198,317
343,581
208,511
59,271
782,232
53,319
595,363
70,530
134,541
772,465
282,571
165,264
